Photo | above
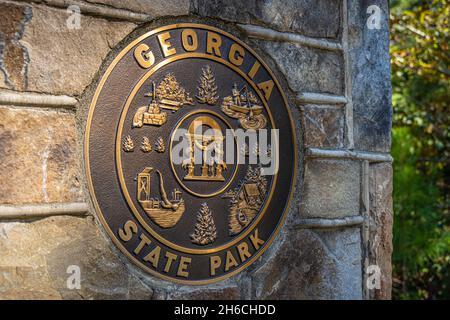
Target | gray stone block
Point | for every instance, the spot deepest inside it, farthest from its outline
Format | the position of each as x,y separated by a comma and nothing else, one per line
312,264
380,226
153,8
51,57
314,18
39,161
307,69
226,293
35,257
323,126
370,76
331,189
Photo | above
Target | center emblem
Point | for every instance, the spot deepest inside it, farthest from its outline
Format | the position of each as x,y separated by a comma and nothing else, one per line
190,153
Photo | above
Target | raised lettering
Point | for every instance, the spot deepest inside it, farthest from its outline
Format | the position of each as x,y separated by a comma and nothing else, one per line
128,229
215,263
165,44
230,261
182,268
144,241
170,258
254,70
144,56
213,43
236,55
266,87
256,241
153,256
189,40
243,251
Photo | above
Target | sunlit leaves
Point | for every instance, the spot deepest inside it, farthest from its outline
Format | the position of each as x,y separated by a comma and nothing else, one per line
420,63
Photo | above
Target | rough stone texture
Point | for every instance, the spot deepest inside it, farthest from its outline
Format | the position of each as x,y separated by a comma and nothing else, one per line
323,126
312,264
152,8
2,77
227,293
380,226
38,156
331,189
35,257
370,76
307,69
314,18
57,59
13,55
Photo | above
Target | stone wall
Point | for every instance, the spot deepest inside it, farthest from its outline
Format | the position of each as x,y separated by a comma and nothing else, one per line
335,72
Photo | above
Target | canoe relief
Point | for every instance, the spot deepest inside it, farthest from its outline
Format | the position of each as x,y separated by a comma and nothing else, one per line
165,213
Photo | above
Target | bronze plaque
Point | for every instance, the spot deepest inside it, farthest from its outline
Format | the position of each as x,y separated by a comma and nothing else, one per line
190,153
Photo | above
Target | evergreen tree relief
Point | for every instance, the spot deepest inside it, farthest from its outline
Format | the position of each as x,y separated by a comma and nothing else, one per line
205,229
128,144
160,146
146,146
207,89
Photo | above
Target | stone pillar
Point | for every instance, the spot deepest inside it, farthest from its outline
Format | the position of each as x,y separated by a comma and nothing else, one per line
335,72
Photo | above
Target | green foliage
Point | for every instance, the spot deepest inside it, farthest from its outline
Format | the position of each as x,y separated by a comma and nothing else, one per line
421,237
398,6
421,141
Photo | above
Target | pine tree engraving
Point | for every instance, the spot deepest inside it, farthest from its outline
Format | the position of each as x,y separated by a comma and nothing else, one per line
207,89
146,146
128,144
205,229
160,146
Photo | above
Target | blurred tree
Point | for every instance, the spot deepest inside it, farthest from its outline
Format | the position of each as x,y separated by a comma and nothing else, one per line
421,94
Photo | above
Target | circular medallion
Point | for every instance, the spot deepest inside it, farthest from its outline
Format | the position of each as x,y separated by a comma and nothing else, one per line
190,153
